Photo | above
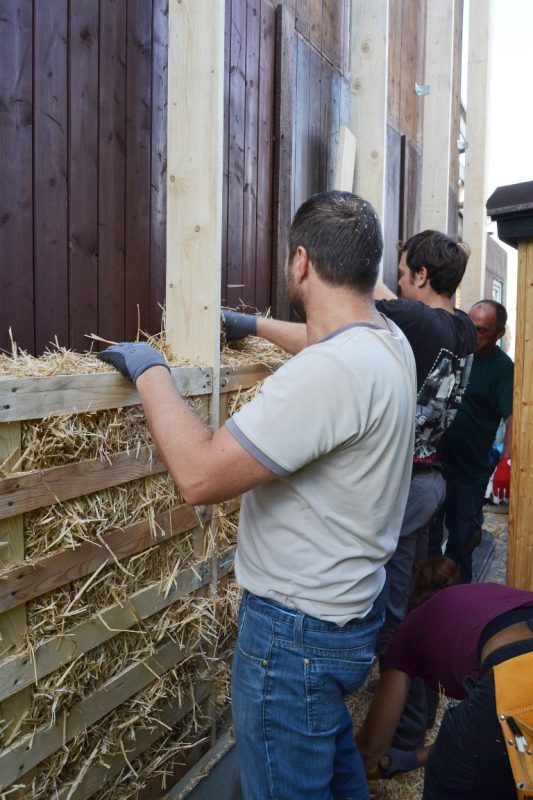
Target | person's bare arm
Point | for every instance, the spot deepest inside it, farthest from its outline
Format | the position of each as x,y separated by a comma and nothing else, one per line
383,717
382,292
290,336
206,467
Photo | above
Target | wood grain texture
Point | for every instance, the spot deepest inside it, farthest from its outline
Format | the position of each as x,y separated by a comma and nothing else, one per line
12,623
31,490
98,775
21,583
520,542
16,186
30,750
35,398
50,165
23,669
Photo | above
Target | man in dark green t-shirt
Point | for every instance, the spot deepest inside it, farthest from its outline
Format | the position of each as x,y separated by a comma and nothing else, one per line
465,447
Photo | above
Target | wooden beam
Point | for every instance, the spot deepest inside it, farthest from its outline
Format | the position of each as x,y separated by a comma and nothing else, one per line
13,623
202,767
90,780
23,669
23,582
437,129
369,87
475,190
31,749
345,166
52,395
29,491
194,190
283,166
35,398
520,539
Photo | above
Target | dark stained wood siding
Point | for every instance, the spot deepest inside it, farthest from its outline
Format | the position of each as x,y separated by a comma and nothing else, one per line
83,170
83,118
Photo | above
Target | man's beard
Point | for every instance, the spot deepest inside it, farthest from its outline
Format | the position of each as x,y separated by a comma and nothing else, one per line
296,301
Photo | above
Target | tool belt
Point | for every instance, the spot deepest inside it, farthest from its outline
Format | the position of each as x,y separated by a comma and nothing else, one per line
513,681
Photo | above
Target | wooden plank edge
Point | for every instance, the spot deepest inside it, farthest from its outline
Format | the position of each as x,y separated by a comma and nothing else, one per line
202,767
98,775
57,395
54,395
32,748
24,582
29,491
24,669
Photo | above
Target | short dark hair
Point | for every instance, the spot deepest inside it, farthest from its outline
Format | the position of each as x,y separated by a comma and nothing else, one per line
501,311
443,256
342,236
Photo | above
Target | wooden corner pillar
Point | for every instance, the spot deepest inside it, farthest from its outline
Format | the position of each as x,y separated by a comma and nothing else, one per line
512,208
369,87
475,192
437,130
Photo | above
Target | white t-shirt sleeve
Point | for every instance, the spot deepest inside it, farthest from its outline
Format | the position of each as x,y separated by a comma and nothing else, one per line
299,414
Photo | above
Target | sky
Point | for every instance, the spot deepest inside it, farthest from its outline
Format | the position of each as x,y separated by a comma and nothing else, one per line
510,133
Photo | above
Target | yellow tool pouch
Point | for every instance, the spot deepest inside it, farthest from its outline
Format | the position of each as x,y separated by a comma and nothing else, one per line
514,704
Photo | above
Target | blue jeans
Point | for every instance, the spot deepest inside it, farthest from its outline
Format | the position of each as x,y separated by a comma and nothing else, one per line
462,512
290,675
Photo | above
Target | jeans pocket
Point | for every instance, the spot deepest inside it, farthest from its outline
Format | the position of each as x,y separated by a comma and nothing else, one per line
328,681
254,640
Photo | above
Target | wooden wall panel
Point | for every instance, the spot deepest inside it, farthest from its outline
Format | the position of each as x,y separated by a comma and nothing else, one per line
112,170
251,122
16,187
83,172
158,165
137,185
265,156
391,233
51,164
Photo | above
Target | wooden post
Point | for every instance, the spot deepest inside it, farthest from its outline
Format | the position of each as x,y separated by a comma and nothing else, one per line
512,208
435,189
520,545
475,194
13,622
345,166
369,85
194,191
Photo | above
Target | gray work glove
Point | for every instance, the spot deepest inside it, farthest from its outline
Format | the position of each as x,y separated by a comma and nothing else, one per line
132,358
395,760
239,325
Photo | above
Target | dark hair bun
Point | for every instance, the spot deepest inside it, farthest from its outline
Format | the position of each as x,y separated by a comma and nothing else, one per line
431,576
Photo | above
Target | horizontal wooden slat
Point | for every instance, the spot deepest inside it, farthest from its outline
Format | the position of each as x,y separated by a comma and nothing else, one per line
202,767
233,379
22,669
54,395
31,749
29,491
35,398
98,774
27,581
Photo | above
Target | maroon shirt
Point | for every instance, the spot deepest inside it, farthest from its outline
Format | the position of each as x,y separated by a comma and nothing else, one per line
438,640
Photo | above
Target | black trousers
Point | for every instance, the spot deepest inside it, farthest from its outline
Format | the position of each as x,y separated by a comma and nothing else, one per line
469,759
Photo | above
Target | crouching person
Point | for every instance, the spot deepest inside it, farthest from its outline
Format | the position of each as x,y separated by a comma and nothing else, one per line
460,640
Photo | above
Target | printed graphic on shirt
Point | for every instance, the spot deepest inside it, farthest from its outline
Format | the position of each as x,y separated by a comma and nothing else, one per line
438,400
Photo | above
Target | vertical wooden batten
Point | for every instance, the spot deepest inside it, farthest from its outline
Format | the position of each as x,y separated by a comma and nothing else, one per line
475,194
440,34
512,208
369,85
194,185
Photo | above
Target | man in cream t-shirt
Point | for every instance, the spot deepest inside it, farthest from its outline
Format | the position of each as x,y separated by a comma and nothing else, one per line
322,456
